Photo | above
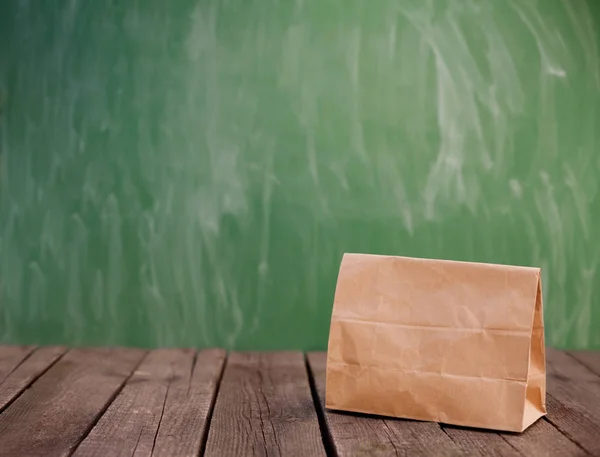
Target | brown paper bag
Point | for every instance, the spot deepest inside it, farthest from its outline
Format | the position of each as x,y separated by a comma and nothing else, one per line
454,342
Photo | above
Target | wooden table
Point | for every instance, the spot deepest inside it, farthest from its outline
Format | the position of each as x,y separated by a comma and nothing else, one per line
172,402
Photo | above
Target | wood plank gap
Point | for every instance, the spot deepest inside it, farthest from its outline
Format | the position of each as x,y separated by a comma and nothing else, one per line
108,403
572,400
162,413
130,423
185,423
265,406
211,408
53,415
8,393
511,445
503,438
29,354
16,356
480,442
162,410
388,431
566,435
192,368
543,438
137,443
560,414
325,433
589,359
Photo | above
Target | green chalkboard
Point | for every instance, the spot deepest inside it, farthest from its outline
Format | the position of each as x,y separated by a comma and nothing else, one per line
189,173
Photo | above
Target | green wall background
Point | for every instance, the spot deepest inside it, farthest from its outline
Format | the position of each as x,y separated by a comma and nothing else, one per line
189,173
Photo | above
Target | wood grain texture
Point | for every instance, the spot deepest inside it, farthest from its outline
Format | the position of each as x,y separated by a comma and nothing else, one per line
480,442
574,400
11,357
352,435
184,427
543,439
591,359
578,426
163,408
58,410
265,407
27,372
130,424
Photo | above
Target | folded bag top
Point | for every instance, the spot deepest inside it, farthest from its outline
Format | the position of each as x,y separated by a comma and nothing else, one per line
454,342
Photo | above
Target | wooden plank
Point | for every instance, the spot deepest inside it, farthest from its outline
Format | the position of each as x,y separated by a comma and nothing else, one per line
184,428
480,442
543,439
351,434
130,424
162,410
579,427
27,372
11,357
573,400
265,407
560,366
52,416
591,359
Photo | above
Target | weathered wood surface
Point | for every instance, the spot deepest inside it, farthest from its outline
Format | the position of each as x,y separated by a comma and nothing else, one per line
173,402
574,400
27,371
11,357
265,407
55,413
162,409
189,405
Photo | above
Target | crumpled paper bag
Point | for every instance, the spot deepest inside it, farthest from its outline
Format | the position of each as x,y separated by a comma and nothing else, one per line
454,342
